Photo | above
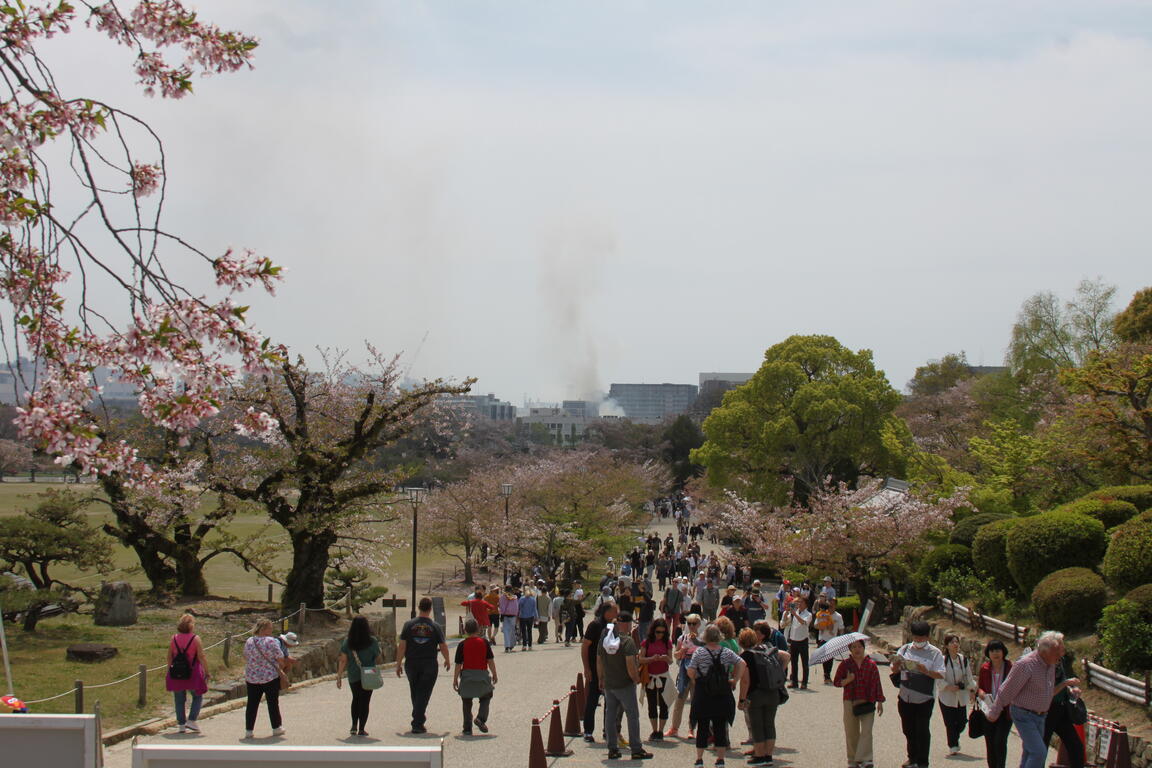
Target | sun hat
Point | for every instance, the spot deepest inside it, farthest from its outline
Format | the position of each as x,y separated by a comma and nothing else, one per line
289,639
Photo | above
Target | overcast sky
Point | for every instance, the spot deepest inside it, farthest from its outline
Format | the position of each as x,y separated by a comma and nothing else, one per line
555,196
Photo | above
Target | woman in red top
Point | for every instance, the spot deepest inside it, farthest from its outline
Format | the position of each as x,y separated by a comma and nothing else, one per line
993,673
859,676
471,679
656,652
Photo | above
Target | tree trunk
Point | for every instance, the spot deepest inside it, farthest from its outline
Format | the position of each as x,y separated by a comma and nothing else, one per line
190,574
161,575
32,616
468,571
305,582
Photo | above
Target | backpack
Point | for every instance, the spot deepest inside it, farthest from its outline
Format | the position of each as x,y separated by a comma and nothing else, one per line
181,666
626,569
716,681
769,671
825,621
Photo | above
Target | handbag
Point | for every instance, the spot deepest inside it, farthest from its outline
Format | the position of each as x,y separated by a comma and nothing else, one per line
1077,711
370,677
864,708
977,723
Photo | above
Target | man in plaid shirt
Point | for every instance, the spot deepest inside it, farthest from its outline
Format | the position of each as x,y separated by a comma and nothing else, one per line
859,676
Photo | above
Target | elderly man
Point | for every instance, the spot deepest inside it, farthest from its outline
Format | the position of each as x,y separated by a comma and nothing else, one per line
1027,693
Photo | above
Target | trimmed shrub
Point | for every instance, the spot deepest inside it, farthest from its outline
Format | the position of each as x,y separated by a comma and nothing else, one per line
845,605
1139,496
1128,561
1125,632
1142,598
1070,599
1039,545
989,553
1111,512
965,530
938,560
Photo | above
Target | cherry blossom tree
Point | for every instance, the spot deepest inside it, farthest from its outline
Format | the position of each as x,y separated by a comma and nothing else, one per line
317,476
852,533
460,517
83,190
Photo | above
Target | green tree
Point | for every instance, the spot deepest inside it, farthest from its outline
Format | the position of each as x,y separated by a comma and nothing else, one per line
1008,459
1050,335
940,375
1134,324
681,438
809,419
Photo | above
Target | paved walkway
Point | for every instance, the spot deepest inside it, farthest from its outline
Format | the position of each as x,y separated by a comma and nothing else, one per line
809,725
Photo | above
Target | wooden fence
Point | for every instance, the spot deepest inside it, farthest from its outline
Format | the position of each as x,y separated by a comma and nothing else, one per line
1128,688
982,623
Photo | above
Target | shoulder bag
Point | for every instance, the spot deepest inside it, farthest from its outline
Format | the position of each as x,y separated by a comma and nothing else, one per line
370,677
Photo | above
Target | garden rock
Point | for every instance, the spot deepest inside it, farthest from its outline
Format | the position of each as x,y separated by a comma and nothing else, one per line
116,605
91,652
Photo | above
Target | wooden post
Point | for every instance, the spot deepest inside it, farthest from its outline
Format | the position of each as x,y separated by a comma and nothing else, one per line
348,604
269,592
1148,689
227,649
79,686
142,699
1087,673
300,617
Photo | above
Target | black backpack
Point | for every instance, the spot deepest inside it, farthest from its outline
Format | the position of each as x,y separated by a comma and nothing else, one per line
769,671
716,680
181,667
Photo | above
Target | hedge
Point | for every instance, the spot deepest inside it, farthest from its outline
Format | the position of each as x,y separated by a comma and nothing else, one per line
989,554
1140,496
1142,598
1070,599
1039,545
1125,633
1111,512
965,530
1128,561
937,561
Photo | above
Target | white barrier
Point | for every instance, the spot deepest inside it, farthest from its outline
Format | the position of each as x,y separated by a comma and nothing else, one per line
200,756
59,741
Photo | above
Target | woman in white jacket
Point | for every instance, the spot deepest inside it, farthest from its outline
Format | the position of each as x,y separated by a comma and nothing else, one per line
956,690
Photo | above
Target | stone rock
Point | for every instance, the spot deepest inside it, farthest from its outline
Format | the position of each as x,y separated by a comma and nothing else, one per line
91,652
116,605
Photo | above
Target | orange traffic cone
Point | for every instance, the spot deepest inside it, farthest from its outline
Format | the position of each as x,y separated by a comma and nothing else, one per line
536,758
581,691
556,745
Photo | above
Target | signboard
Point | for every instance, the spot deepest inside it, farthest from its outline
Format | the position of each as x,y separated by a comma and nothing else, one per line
438,613
866,616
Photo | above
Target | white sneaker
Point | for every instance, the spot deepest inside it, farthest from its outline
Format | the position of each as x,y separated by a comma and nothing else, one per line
193,726
278,731
180,729
953,751
247,734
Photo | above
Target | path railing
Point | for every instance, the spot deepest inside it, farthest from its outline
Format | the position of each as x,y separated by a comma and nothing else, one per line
1128,688
141,675
983,623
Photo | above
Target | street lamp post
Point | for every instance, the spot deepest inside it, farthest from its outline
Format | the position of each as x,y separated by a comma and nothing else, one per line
506,492
414,496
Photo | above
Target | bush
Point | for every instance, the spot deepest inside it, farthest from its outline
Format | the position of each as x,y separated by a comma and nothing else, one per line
1070,599
1125,632
1036,546
942,558
1140,496
1142,597
956,584
1128,561
965,530
990,555
1111,512
997,501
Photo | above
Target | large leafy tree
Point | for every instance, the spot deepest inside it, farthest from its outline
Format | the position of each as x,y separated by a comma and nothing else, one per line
940,375
681,438
812,415
1050,335
1134,324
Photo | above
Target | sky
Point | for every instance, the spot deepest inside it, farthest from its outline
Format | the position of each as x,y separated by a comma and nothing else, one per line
552,196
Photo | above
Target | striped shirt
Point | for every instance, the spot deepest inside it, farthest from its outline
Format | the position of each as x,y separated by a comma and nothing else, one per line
1028,686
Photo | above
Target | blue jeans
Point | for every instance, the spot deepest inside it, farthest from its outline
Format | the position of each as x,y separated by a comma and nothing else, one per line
181,697
1030,727
509,626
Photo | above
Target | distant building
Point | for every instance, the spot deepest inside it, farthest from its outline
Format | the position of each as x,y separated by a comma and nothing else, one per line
987,370
483,406
112,392
564,428
653,403
583,408
712,389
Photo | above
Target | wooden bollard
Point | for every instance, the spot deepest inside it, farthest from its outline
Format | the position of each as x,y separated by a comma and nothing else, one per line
300,619
79,686
142,699
227,649
269,593
536,758
572,724
556,745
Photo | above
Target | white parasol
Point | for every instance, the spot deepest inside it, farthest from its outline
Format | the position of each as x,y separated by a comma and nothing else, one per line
836,648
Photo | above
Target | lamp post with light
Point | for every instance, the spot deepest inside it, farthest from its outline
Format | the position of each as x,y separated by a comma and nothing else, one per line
415,496
506,492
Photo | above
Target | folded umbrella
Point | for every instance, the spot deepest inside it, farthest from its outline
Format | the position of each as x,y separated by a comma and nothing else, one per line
836,648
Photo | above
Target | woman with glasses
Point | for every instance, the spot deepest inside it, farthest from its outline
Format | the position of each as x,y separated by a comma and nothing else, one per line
686,645
656,652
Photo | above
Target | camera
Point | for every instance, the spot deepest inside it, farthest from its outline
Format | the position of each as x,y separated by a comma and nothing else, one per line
961,685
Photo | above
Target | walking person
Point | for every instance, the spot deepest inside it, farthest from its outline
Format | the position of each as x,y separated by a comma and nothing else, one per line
919,664
760,693
605,615
993,672
656,653
493,600
187,672
558,615
686,645
480,609
420,639
543,611
263,665
509,611
829,624
527,612
955,692
618,673
1059,719
712,701
358,650
859,676
796,623
644,608
475,676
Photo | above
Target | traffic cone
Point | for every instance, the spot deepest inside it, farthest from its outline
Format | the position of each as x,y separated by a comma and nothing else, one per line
572,724
581,691
556,745
536,758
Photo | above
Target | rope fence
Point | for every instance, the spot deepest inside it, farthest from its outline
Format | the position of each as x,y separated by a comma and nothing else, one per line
141,675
